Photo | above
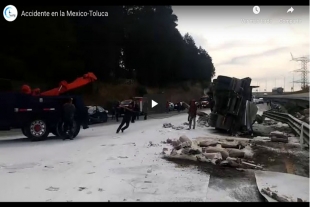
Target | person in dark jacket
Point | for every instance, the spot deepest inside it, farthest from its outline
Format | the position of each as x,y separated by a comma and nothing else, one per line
192,111
128,111
68,118
137,110
134,113
117,110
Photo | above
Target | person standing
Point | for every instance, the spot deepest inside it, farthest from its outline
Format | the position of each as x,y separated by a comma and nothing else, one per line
192,114
128,111
68,118
137,109
167,107
117,110
134,113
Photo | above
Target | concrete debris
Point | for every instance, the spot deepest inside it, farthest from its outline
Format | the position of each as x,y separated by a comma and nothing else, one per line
215,158
278,134
177,127
169,125
208,143
230,145
184,138
183,145
277,197
236,153
223,152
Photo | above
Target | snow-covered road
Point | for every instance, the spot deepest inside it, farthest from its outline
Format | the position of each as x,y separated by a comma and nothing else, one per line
100,165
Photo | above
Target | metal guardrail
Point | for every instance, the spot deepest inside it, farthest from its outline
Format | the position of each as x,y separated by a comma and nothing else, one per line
300,127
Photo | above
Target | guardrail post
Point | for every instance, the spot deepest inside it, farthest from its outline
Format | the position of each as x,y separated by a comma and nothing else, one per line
302,136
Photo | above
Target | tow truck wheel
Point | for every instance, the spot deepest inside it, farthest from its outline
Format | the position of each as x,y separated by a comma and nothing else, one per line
76,129
37,130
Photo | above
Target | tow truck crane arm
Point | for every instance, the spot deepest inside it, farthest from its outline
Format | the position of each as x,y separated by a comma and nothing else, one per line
63,87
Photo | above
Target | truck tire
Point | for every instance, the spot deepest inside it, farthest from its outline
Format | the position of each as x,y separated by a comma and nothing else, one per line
76,129
37,130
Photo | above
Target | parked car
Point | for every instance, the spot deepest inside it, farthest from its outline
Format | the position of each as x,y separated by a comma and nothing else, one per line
176,105
97,114
204,102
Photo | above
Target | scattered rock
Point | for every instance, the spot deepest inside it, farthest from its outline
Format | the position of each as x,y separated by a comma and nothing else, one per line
236,153
149,171
82,188
208,143
240,169
52,189
100,189
169,141
177,127
122,157
48,166
167,125
165,149
89,192
186,123
91,173
229,139
223,152
147,181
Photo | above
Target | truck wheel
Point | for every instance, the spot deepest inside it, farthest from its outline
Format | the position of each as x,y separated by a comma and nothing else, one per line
37,130
76,129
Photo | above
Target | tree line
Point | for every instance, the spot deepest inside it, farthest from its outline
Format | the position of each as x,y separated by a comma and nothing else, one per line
132,42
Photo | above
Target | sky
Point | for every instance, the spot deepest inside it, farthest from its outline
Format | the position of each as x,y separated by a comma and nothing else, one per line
240,48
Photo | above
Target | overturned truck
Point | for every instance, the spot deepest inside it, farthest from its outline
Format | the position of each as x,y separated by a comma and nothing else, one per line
233,110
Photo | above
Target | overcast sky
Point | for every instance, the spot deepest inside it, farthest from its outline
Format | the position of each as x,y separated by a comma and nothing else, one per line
260,51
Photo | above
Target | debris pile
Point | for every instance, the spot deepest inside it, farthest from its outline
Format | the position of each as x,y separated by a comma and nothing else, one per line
169,125
203,119
278,136
232,153
277,197
303,116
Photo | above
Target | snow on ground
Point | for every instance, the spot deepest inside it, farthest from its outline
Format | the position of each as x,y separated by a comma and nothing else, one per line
100,165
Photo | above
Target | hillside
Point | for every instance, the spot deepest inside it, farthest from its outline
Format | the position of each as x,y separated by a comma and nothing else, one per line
105,93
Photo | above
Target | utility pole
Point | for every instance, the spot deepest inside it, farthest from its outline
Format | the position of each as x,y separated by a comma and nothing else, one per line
303,70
